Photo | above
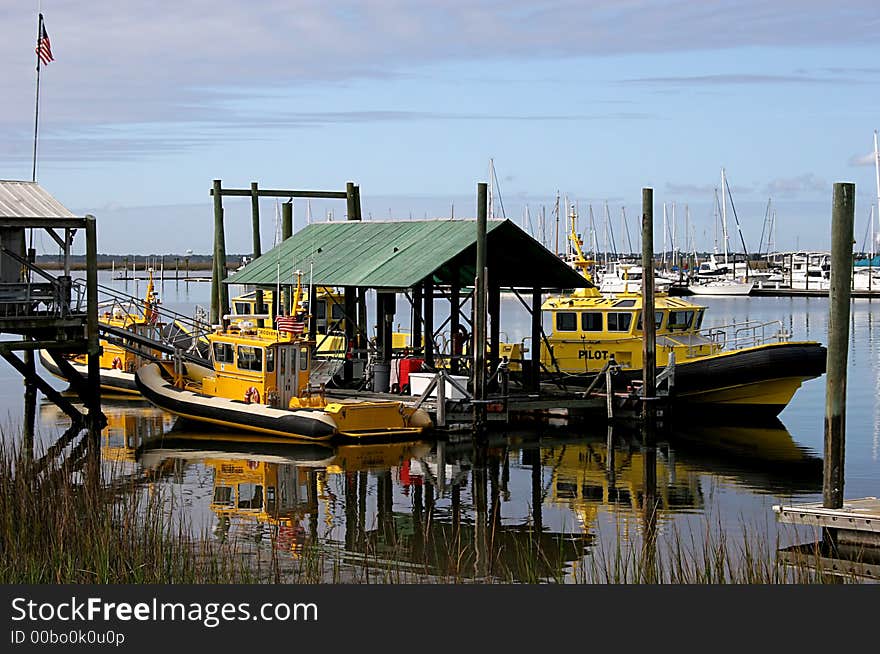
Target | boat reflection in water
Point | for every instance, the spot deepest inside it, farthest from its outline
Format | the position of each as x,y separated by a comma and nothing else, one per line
522,506
762,459
129,423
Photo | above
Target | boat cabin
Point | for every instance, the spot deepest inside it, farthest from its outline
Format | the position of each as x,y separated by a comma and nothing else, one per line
260,366
588,331
329,314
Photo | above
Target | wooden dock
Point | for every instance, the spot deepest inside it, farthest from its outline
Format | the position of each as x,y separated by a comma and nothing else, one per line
769,290
857,522
852,546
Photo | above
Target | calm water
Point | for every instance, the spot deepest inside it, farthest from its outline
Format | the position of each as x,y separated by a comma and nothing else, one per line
582,488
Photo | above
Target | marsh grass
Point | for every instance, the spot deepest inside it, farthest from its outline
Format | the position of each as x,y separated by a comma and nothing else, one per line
57,526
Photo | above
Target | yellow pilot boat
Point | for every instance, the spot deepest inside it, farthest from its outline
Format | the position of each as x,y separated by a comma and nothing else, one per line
749,369
260,383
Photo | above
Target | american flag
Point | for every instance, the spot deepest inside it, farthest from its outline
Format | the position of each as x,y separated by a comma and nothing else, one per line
44,48
290,324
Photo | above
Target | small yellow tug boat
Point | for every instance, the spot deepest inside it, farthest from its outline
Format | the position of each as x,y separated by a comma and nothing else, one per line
260,383
117,364
746,370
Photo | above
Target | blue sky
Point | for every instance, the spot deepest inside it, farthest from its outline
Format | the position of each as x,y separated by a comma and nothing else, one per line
147,102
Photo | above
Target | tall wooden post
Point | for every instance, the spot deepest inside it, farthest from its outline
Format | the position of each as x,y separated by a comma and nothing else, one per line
454,324
417,319
480,292
535,372
842,217
350,293
351,210
219,292
286,233
361,328
257,249
313,308
349,304
287,220
95,418
429,321
494,306
215,272
361,340
649,345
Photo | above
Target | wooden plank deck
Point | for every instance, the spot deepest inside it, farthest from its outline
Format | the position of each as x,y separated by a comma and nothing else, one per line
860,515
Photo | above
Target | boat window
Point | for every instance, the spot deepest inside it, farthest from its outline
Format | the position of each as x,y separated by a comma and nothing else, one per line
680,320
223,353
591,321
619,322
658,321
699,322
304,358
321,312
223,495
566,321
250,358
242,308
336,312
270,359
250,496
625,303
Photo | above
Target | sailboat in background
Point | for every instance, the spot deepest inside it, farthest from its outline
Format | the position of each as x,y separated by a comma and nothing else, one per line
722,278
866,272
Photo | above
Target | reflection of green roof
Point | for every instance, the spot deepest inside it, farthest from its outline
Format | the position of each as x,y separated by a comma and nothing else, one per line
401,254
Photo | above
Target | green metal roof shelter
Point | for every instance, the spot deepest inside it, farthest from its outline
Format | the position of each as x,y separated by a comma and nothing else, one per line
424,256
395,255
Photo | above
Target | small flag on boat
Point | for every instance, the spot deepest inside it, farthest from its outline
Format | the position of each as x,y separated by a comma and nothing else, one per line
44,48
290,324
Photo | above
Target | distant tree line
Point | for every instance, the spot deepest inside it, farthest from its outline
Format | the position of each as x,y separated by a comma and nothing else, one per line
140,261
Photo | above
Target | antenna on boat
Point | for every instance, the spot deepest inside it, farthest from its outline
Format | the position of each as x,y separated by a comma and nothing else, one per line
557,223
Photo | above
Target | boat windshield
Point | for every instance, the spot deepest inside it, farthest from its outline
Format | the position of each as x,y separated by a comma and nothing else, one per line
680,320
658,321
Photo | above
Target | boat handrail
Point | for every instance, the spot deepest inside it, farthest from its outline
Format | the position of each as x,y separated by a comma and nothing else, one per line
751,333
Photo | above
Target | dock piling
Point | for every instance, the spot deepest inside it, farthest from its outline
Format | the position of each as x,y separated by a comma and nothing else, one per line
842,218
257,247
649,346
480,300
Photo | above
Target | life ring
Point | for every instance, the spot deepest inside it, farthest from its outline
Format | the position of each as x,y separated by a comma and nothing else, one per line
252,395
117,363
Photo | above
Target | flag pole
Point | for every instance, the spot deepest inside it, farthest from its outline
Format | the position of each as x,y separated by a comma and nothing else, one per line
37,105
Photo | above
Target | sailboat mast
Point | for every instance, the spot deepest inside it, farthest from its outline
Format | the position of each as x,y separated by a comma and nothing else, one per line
724,213
715,223
877,174
663,258
556,246
605,235
490,189
674,243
